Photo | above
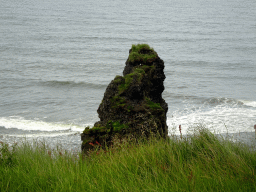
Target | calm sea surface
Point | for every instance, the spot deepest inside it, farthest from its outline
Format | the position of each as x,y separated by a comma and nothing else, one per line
58,56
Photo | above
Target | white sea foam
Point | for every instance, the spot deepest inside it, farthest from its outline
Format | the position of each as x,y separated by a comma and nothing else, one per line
23,124
220,119
249,103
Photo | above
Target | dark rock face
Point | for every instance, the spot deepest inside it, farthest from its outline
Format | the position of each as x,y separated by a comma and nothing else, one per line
132,103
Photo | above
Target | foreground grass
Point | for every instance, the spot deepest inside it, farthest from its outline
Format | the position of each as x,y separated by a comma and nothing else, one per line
199,163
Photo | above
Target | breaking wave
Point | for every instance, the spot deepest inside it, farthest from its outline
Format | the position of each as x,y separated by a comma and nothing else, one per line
222,101
219,115
38,125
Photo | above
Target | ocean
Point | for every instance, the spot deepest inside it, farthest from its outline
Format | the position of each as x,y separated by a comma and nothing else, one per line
58,56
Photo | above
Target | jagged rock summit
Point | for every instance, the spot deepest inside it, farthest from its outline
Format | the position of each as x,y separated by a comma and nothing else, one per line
132,103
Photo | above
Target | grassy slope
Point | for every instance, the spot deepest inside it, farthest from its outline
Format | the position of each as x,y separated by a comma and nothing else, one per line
199,163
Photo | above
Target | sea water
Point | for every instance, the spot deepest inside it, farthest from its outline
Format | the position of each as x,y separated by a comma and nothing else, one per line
57,58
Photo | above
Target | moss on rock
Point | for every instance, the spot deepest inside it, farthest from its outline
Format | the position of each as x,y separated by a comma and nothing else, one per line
137,73
153,105
141,53
132,103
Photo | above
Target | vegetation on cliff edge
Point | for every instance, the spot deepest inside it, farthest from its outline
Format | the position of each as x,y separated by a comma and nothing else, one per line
197,163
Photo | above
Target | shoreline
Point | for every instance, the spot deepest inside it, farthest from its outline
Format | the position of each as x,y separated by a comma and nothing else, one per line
248,138
72,143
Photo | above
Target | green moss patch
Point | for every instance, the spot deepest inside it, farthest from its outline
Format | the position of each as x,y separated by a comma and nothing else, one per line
118,79
128,80
117,102
115,126
94,130
141,53
138,72
153,105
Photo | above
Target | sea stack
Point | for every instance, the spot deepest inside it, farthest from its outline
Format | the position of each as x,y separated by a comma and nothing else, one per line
132,105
